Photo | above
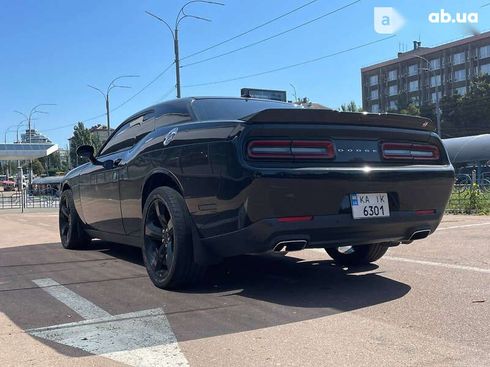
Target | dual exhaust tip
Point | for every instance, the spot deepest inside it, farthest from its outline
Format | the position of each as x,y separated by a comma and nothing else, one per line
298,245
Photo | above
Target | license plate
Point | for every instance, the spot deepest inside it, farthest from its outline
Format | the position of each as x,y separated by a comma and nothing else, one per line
369,205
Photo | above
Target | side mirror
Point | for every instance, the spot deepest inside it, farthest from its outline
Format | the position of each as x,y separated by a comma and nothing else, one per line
87,151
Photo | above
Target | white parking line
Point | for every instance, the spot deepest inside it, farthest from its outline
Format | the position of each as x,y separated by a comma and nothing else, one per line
464,226
142,338
80,305
433,263
430,263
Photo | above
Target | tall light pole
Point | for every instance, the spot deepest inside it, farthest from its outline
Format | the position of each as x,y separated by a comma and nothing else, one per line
6,132
438,110
295,95
17,126
110,87
34,110
175,34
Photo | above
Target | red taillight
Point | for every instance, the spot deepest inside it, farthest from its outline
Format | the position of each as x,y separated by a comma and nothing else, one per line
269,149
312,149
410,151
291,149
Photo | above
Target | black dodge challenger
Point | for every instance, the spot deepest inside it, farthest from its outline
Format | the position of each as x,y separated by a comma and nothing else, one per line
194,180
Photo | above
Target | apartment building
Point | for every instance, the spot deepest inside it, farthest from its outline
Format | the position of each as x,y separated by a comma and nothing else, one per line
417,75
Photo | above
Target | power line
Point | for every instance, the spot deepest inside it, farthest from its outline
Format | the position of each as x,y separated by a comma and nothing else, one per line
123,103
145,87
292,65
162,98
250,30
273,36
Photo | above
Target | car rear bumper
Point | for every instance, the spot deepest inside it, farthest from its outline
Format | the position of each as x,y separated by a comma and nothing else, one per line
322,231
247,221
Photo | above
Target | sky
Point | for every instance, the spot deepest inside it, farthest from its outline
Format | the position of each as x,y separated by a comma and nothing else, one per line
51,49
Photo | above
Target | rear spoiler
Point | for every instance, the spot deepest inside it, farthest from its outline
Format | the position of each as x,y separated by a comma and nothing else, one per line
321,116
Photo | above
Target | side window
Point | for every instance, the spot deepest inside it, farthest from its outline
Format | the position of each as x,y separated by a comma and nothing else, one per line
172,115
145,127
124,138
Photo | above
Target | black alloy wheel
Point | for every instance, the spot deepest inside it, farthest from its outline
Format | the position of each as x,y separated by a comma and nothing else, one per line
72,234
159,238
167,240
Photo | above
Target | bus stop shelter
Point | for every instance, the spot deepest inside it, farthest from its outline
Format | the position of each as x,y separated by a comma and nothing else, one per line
25,152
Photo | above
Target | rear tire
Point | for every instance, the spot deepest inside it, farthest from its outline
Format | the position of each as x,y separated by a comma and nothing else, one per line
167,240
72,234
357,255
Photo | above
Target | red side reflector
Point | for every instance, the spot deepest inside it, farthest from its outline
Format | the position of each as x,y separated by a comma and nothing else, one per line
425,212
295,219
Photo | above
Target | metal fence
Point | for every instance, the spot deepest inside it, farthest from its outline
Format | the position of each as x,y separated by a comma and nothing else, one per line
470,196
25,200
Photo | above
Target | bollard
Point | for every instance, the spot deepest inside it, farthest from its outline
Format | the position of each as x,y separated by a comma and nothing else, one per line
21,184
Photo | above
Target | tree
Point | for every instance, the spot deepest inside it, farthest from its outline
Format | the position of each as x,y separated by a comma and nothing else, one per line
37,167
475,106
411,109
52,163
350,107
81,136
468,114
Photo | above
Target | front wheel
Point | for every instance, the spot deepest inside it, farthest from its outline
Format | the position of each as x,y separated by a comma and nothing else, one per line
72,234
167,240
357,255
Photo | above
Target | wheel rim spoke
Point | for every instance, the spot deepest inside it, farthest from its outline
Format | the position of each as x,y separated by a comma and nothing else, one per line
160,214
159,234
153,231
65,210
170,226
157,260
170,252
64,229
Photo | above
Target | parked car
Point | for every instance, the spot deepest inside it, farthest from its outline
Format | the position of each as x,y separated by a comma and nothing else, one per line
195,180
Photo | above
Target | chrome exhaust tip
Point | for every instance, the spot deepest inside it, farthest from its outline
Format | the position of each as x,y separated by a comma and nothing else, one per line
290,245
418,235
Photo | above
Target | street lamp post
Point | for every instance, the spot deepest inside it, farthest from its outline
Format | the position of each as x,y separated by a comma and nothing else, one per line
17,126
110,87
34,110
295,95
175,34
438,110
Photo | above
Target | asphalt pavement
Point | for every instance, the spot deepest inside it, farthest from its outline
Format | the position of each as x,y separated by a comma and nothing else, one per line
423,304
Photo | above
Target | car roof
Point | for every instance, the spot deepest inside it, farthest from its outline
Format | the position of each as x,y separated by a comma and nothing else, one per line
185,100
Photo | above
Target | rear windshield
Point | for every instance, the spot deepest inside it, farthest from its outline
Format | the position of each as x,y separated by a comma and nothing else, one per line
233,108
